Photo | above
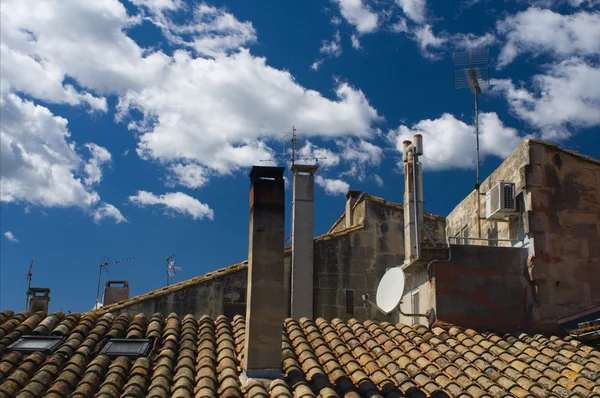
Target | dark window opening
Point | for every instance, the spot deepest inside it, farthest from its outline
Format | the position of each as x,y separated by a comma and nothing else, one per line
132,348
350,302
44,344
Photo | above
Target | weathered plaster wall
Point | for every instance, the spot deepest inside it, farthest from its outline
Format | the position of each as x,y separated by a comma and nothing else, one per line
417,280
484,288
558,193
564,218
209,297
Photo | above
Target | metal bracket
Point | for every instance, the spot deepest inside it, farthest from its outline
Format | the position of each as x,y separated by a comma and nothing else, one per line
366,299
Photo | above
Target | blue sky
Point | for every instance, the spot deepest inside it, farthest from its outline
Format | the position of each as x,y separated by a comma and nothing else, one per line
128,128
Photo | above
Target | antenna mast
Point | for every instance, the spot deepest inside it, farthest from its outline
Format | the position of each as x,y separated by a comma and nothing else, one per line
475,74
29,277
102,266
171,268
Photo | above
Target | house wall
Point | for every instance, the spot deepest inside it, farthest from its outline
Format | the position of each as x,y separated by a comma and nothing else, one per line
484,288
558,194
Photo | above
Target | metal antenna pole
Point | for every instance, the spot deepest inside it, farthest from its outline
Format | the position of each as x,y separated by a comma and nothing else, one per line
102,266
473,77
293,145
29,278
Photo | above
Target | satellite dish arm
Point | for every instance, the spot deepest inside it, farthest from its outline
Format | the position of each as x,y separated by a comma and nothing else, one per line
366,299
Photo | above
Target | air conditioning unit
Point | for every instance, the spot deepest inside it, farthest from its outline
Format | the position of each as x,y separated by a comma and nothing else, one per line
500,201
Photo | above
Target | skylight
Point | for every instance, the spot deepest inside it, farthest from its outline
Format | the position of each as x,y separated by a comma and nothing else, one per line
132,348
45,344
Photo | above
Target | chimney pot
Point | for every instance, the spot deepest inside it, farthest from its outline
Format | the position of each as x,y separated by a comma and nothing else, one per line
351,198
114,294
39,299
266,305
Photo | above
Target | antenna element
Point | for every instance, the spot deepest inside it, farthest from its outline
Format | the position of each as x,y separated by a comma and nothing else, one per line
171,268
29,277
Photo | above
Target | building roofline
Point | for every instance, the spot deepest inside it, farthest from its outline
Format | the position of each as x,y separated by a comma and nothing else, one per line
552,145
209,276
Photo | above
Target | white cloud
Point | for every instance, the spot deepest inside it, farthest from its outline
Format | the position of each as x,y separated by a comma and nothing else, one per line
215,111
414,9
189,175
11,238
355,42
332,186
93,168
539,31
332,48
567,96
470,41
359,155
177,202
378,180
316,65
212,31
450,143
356,13
107,211
427,40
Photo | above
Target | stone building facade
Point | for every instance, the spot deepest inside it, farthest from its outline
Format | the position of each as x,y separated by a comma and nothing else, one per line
349,261
558,222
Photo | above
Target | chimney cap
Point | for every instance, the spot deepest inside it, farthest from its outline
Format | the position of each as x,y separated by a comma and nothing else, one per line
271,172
304,168
34,290
352,193
115,282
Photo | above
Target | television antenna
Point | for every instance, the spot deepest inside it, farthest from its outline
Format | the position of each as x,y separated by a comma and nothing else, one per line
292,158
29,278
171,268
472,71
102,267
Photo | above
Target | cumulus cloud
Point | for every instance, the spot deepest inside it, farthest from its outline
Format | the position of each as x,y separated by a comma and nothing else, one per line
567,96
332,186
182,120
189,175
106,211
312,154
211,31
330,49
449,143
174,202
11,238
360,155
538,30
358,14
93,168
414,9
38,164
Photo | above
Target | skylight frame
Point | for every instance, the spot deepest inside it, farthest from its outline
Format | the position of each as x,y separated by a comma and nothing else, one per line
53,342
144,348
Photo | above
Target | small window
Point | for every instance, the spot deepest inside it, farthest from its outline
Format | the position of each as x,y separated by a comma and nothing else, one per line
132,348
45,344
415,305
350,302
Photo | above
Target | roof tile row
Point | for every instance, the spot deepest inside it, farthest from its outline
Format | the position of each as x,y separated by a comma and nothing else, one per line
202,358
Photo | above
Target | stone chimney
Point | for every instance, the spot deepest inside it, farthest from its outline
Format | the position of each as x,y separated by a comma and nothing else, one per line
302,241
266,305
114,293
351,198
412,222
39,297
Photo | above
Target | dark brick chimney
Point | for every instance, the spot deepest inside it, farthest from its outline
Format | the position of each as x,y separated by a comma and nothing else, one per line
115,291
266,304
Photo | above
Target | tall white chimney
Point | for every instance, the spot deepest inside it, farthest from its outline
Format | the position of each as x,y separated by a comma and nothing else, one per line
413,198
302,241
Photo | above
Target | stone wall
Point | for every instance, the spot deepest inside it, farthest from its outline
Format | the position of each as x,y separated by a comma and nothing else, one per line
564,218
348,263
558,198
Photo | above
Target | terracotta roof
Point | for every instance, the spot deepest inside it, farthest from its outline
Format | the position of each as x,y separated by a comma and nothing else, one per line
201,358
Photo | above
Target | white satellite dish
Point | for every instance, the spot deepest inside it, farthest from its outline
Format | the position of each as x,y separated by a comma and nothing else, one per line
390,289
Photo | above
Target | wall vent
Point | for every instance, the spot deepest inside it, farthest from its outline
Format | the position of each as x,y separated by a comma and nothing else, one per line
500,202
